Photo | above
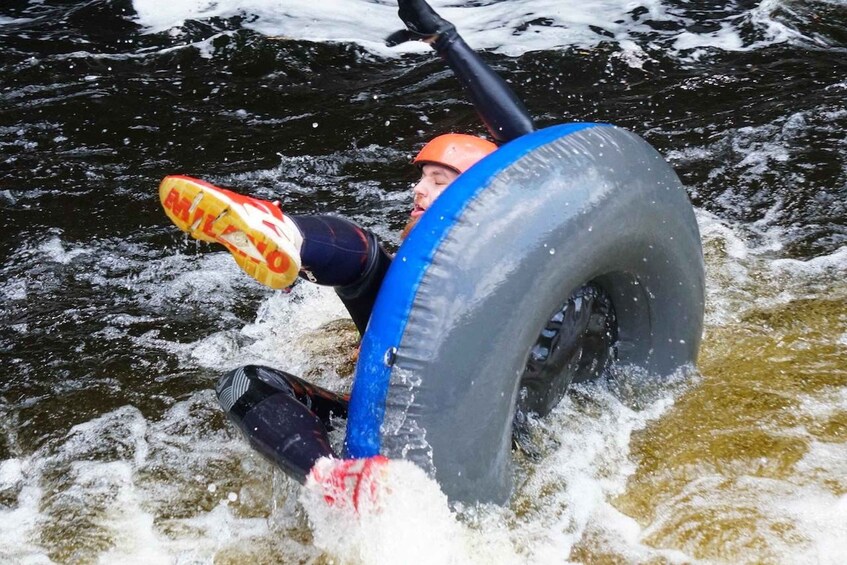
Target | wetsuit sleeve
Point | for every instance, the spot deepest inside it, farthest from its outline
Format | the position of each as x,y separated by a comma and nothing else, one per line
359,298
338,253
501,111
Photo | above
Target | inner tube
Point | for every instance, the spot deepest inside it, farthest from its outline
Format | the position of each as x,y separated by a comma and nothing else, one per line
497,256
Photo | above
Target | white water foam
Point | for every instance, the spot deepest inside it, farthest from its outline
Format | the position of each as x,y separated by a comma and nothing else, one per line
746,264
802,517
411,523
534,25
135,491
157,489
134,469
561,496
8,21
744,275
55,250
585,467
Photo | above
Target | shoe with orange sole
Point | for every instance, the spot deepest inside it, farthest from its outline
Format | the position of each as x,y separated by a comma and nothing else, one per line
264,243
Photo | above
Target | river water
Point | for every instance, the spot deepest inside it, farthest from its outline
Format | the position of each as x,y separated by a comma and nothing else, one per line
115,327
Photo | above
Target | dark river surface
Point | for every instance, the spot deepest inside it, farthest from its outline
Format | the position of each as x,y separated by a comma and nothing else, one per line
115,327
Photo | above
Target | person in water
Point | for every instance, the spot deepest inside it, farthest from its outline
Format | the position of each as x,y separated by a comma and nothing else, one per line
284,417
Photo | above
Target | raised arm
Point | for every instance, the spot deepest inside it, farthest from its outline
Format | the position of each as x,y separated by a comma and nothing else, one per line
500,109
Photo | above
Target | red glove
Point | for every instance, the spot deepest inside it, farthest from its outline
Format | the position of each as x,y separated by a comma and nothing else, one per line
349,483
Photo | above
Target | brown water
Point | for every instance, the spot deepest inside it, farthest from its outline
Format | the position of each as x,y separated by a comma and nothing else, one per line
114,327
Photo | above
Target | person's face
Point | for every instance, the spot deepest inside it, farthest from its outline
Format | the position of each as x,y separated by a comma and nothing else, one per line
434,179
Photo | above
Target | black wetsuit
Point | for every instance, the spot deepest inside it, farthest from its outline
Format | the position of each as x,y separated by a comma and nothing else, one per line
286,418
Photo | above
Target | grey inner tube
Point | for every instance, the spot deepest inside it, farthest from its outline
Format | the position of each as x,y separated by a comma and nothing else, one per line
597,205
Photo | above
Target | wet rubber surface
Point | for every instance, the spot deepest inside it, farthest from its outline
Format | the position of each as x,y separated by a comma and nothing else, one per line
114,328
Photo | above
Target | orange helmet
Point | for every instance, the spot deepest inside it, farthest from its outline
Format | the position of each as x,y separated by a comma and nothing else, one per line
455,150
